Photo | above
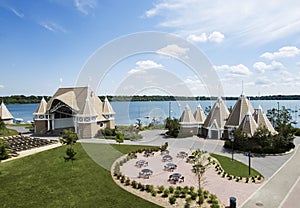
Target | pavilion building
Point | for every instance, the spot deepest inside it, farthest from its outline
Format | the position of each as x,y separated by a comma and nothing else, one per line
78,108
213,127
187,122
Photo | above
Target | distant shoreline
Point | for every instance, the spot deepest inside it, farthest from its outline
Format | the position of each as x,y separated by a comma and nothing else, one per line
21,99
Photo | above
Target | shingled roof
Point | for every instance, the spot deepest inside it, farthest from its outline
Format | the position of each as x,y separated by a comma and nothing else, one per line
248,124
199,115
262,120
187,117
240,109
4,112
218,115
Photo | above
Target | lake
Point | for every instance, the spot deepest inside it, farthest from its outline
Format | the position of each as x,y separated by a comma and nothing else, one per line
128,112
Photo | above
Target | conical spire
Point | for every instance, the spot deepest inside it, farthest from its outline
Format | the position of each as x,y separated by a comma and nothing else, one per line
4,112
107,108
248,124
42,108
262,120
199,115
241,107
187,116
218,114
87,110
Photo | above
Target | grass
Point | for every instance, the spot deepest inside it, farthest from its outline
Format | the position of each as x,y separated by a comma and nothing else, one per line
235,167
8,132
45,180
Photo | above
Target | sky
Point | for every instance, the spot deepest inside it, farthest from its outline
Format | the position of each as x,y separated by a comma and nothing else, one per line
252,45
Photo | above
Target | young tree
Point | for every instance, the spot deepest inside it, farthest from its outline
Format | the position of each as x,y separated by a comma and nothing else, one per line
201,164
4,153
173,127
119,137
69,137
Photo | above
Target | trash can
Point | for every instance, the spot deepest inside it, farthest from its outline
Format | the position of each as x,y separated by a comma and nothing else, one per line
232,202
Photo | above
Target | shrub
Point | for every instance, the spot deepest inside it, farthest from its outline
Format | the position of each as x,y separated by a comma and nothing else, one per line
127,182
193,195
140,185
192,189
122,180
134,184
171,189
153,192
161,189
201,199
177,193
205,194
172,200
166,193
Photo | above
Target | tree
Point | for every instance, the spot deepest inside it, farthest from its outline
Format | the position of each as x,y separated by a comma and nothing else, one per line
173,127
139,123
119,137
201,164
69,137
4,153
2,124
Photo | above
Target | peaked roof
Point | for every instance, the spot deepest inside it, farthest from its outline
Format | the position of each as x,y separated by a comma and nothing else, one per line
240,109
248,124
218,114
187,117
4,112
42,108
87,110
107,109
262,120
199,115
81,100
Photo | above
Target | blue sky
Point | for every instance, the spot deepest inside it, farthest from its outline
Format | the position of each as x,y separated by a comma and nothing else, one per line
44,44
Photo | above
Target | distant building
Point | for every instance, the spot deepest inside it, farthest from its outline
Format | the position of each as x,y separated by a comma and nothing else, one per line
246,118
5,115
187,122
200,117
213,127
78,108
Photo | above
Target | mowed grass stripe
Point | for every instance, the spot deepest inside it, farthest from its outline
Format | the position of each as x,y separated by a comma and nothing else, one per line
234,167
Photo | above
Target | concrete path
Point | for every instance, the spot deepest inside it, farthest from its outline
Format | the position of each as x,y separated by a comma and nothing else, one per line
282,189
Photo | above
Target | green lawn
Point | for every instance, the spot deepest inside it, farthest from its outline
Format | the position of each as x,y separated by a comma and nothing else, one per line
8,132
45,180
234,167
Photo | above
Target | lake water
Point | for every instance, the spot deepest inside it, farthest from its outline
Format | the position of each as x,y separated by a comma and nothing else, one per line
128,112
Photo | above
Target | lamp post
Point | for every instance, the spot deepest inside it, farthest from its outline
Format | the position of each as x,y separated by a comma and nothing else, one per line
231,138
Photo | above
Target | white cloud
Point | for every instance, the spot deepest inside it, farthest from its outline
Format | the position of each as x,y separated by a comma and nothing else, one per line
84,6
142,66
262,67
249,21
298,64
197,38
1,86
53,27
216,37
239,70
284,52
174,50
17,13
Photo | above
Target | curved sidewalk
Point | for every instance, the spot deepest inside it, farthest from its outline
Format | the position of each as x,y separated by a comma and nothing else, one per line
281,189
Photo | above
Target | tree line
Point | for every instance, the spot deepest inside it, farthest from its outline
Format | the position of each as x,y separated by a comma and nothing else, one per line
22,99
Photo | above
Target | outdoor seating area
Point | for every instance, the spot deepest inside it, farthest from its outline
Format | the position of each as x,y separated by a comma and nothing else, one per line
190,159
182,154
167,158
165,152
141,163
176,177
148,153
145,173
170,167
20,143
